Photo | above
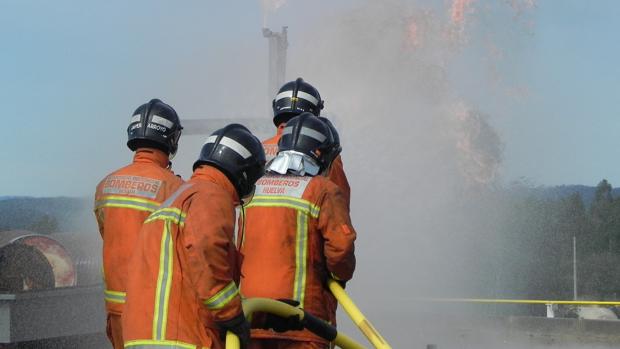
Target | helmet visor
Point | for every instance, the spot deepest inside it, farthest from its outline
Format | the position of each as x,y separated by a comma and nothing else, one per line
294,162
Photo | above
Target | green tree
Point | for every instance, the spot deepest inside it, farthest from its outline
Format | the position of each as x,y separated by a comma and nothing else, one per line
44,225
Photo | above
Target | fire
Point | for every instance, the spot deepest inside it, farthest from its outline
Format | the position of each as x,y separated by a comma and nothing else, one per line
458,10
413,34
479,146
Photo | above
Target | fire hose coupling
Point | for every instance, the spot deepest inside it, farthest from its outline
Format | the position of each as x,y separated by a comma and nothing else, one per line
292,316
298,322
319,327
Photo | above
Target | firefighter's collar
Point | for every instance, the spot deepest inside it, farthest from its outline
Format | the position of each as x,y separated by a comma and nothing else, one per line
294,162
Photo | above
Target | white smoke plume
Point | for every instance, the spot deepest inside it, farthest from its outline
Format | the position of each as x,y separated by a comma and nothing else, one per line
480,147
270,6
419,155
460,10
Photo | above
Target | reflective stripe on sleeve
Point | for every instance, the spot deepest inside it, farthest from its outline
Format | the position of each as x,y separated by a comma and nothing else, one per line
301,254
127,202
286,201
172,214
223,297
176,194
164,282
114,296
158,344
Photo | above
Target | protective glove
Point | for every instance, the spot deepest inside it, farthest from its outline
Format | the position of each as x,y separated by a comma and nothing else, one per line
342,284
281,324
237,325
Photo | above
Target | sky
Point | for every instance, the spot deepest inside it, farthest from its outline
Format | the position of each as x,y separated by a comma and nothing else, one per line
563,130
545,76
72,74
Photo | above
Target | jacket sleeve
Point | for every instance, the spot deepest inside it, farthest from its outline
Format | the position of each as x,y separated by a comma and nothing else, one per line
99,214
338,233
209,250
337,176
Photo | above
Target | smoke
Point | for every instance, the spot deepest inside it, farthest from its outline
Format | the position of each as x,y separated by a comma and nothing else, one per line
270,6
423,160
459,11
480,147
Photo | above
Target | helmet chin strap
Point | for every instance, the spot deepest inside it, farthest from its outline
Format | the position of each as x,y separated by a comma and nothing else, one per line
170,157
248,197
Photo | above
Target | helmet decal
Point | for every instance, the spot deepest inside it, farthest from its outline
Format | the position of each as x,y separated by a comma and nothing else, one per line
232,144
154,124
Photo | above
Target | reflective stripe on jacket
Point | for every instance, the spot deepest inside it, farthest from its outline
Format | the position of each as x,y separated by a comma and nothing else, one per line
123,200
184,273
297,233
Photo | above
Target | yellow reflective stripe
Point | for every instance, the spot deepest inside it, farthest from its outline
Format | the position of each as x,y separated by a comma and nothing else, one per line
161,344
313,208
286,201
172,214
223,297
129,198
301,253
164,282
127,202
114,296
242,230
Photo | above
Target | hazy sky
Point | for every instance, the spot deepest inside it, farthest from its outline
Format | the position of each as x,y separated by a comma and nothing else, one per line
72,73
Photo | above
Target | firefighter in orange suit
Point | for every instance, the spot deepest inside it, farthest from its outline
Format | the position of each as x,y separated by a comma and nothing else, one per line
182,290
126,197
297,232
294,98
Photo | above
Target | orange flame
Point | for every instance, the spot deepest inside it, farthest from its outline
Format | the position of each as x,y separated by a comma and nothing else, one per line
458,10
480,147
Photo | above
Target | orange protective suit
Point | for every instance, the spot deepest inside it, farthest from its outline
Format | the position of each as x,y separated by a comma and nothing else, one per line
123,200
297,234
185,268
336,172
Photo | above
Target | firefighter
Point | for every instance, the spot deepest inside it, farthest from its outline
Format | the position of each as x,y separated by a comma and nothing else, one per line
294,98
126,197
297,232
182,289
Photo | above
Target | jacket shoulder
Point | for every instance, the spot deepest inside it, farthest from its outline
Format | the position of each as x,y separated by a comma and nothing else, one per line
320,186
272,140
207,190
120,171
204,196
153,177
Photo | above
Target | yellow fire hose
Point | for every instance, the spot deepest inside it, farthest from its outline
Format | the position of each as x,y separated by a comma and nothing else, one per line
314,324
356,315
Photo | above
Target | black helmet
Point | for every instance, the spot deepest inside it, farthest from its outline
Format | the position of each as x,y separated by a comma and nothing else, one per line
336,147
294,98
156,125
308,135
238,153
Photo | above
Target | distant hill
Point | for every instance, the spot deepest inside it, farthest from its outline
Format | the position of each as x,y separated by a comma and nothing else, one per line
46,215
10,197
562,191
